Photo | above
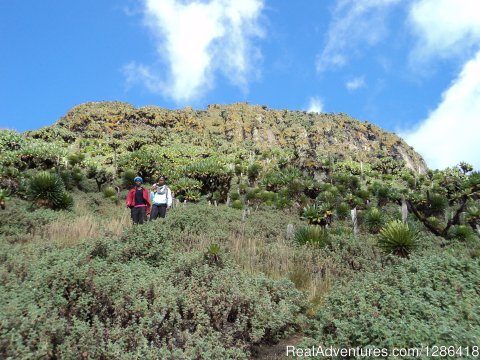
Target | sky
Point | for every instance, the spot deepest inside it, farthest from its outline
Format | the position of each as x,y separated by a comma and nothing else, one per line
409,66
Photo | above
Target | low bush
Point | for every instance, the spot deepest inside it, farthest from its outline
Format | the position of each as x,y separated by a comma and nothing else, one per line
139,296
424,300
237,204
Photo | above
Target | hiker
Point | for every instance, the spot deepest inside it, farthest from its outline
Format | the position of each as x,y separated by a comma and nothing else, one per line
161,198
138,200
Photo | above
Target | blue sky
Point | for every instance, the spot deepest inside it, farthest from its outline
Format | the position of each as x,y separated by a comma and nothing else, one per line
409,66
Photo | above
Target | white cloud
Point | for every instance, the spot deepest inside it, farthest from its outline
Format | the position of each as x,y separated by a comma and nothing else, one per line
355,83
445,27
315,105
196,40
449,28
451,132
354,23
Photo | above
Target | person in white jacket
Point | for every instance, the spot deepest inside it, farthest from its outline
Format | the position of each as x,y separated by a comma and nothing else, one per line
161,198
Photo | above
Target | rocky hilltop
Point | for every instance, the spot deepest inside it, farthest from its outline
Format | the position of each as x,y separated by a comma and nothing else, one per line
308,135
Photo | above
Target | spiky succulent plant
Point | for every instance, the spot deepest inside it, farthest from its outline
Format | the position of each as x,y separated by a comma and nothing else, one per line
397,238
46,189
312,235
374,220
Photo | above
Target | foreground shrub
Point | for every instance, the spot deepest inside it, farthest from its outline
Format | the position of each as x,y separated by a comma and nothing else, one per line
139,296
398,238
425,300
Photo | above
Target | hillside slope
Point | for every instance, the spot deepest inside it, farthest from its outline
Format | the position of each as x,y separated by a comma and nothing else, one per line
309,136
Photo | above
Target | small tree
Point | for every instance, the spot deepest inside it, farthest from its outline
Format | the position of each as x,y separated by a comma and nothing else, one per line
100,175
458,190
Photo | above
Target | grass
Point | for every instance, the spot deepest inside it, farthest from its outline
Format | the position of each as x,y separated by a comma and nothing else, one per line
68,229
69,233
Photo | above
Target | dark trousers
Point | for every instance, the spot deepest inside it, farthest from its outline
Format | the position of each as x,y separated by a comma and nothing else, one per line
139,214
158,211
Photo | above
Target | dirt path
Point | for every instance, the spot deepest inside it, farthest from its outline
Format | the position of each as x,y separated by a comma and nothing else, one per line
277,351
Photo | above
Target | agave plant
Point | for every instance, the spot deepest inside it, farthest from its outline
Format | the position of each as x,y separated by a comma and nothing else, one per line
192,195
127,177
312,188
398,238
46,189
461,232
374,220
473,216
318,214
437,203
343,210
312,235
66,202
212,254
310,213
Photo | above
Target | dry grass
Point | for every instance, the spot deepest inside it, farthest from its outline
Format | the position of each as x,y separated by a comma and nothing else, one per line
278,258
67,231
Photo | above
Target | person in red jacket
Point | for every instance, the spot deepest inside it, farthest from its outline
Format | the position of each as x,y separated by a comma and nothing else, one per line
138,200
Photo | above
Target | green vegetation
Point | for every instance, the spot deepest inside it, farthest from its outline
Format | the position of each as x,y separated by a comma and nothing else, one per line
312,235
398,238
47,190
344,237
374,220
425,300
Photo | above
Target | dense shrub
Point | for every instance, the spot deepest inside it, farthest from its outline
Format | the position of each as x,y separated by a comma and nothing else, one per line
237,204
139,296
20,220
425,300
